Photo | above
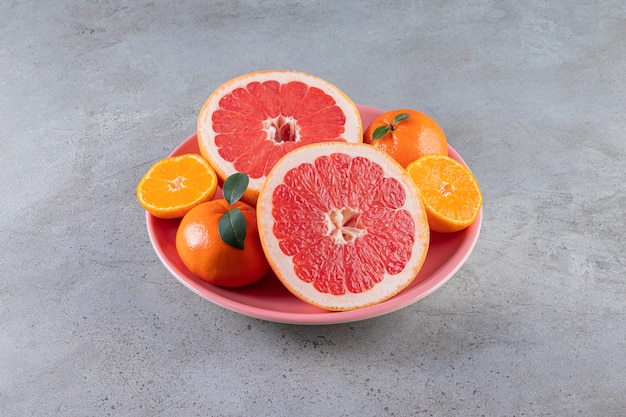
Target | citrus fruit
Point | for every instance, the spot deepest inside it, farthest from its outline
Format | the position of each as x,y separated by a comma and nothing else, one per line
207,256
342,225
175,185
406,135
449,190
251,121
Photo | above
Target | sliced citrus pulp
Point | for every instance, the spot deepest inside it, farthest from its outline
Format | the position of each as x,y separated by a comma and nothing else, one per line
342,225
449,190
175,185
251,121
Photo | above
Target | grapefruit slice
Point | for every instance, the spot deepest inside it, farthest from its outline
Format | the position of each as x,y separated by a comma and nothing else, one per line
251,121
342,225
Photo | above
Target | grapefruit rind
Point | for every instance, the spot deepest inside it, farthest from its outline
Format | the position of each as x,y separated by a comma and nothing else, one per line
353,132
282,264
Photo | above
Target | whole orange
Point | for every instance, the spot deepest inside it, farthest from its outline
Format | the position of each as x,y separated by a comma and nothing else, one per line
415,135
207,256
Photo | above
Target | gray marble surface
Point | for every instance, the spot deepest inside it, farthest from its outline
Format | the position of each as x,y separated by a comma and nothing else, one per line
531,94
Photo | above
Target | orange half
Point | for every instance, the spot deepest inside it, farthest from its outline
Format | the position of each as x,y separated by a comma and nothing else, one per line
449,190
175,185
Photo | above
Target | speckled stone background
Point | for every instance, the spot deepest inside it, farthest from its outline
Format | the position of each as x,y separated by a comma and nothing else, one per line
531,94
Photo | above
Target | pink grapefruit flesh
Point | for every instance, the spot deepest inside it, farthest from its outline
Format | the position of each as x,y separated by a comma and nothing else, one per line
253,120
342,225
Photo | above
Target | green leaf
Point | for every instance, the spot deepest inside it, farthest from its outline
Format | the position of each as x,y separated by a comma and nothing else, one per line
380,131
232,228
400,117
234,187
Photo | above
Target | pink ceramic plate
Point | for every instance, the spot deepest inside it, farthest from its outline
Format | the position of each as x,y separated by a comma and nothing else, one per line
269,300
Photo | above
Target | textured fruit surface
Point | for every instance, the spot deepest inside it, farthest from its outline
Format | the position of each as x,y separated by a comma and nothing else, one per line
409,139
205,254
449,191
251,121
175,185
342,225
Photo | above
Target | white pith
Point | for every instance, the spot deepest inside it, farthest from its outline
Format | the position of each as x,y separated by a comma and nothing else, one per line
283,264
176,184
341,223
272,126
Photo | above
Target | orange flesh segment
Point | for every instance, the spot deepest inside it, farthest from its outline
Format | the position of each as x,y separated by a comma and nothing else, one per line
448,189
172,186
176,185
443,194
